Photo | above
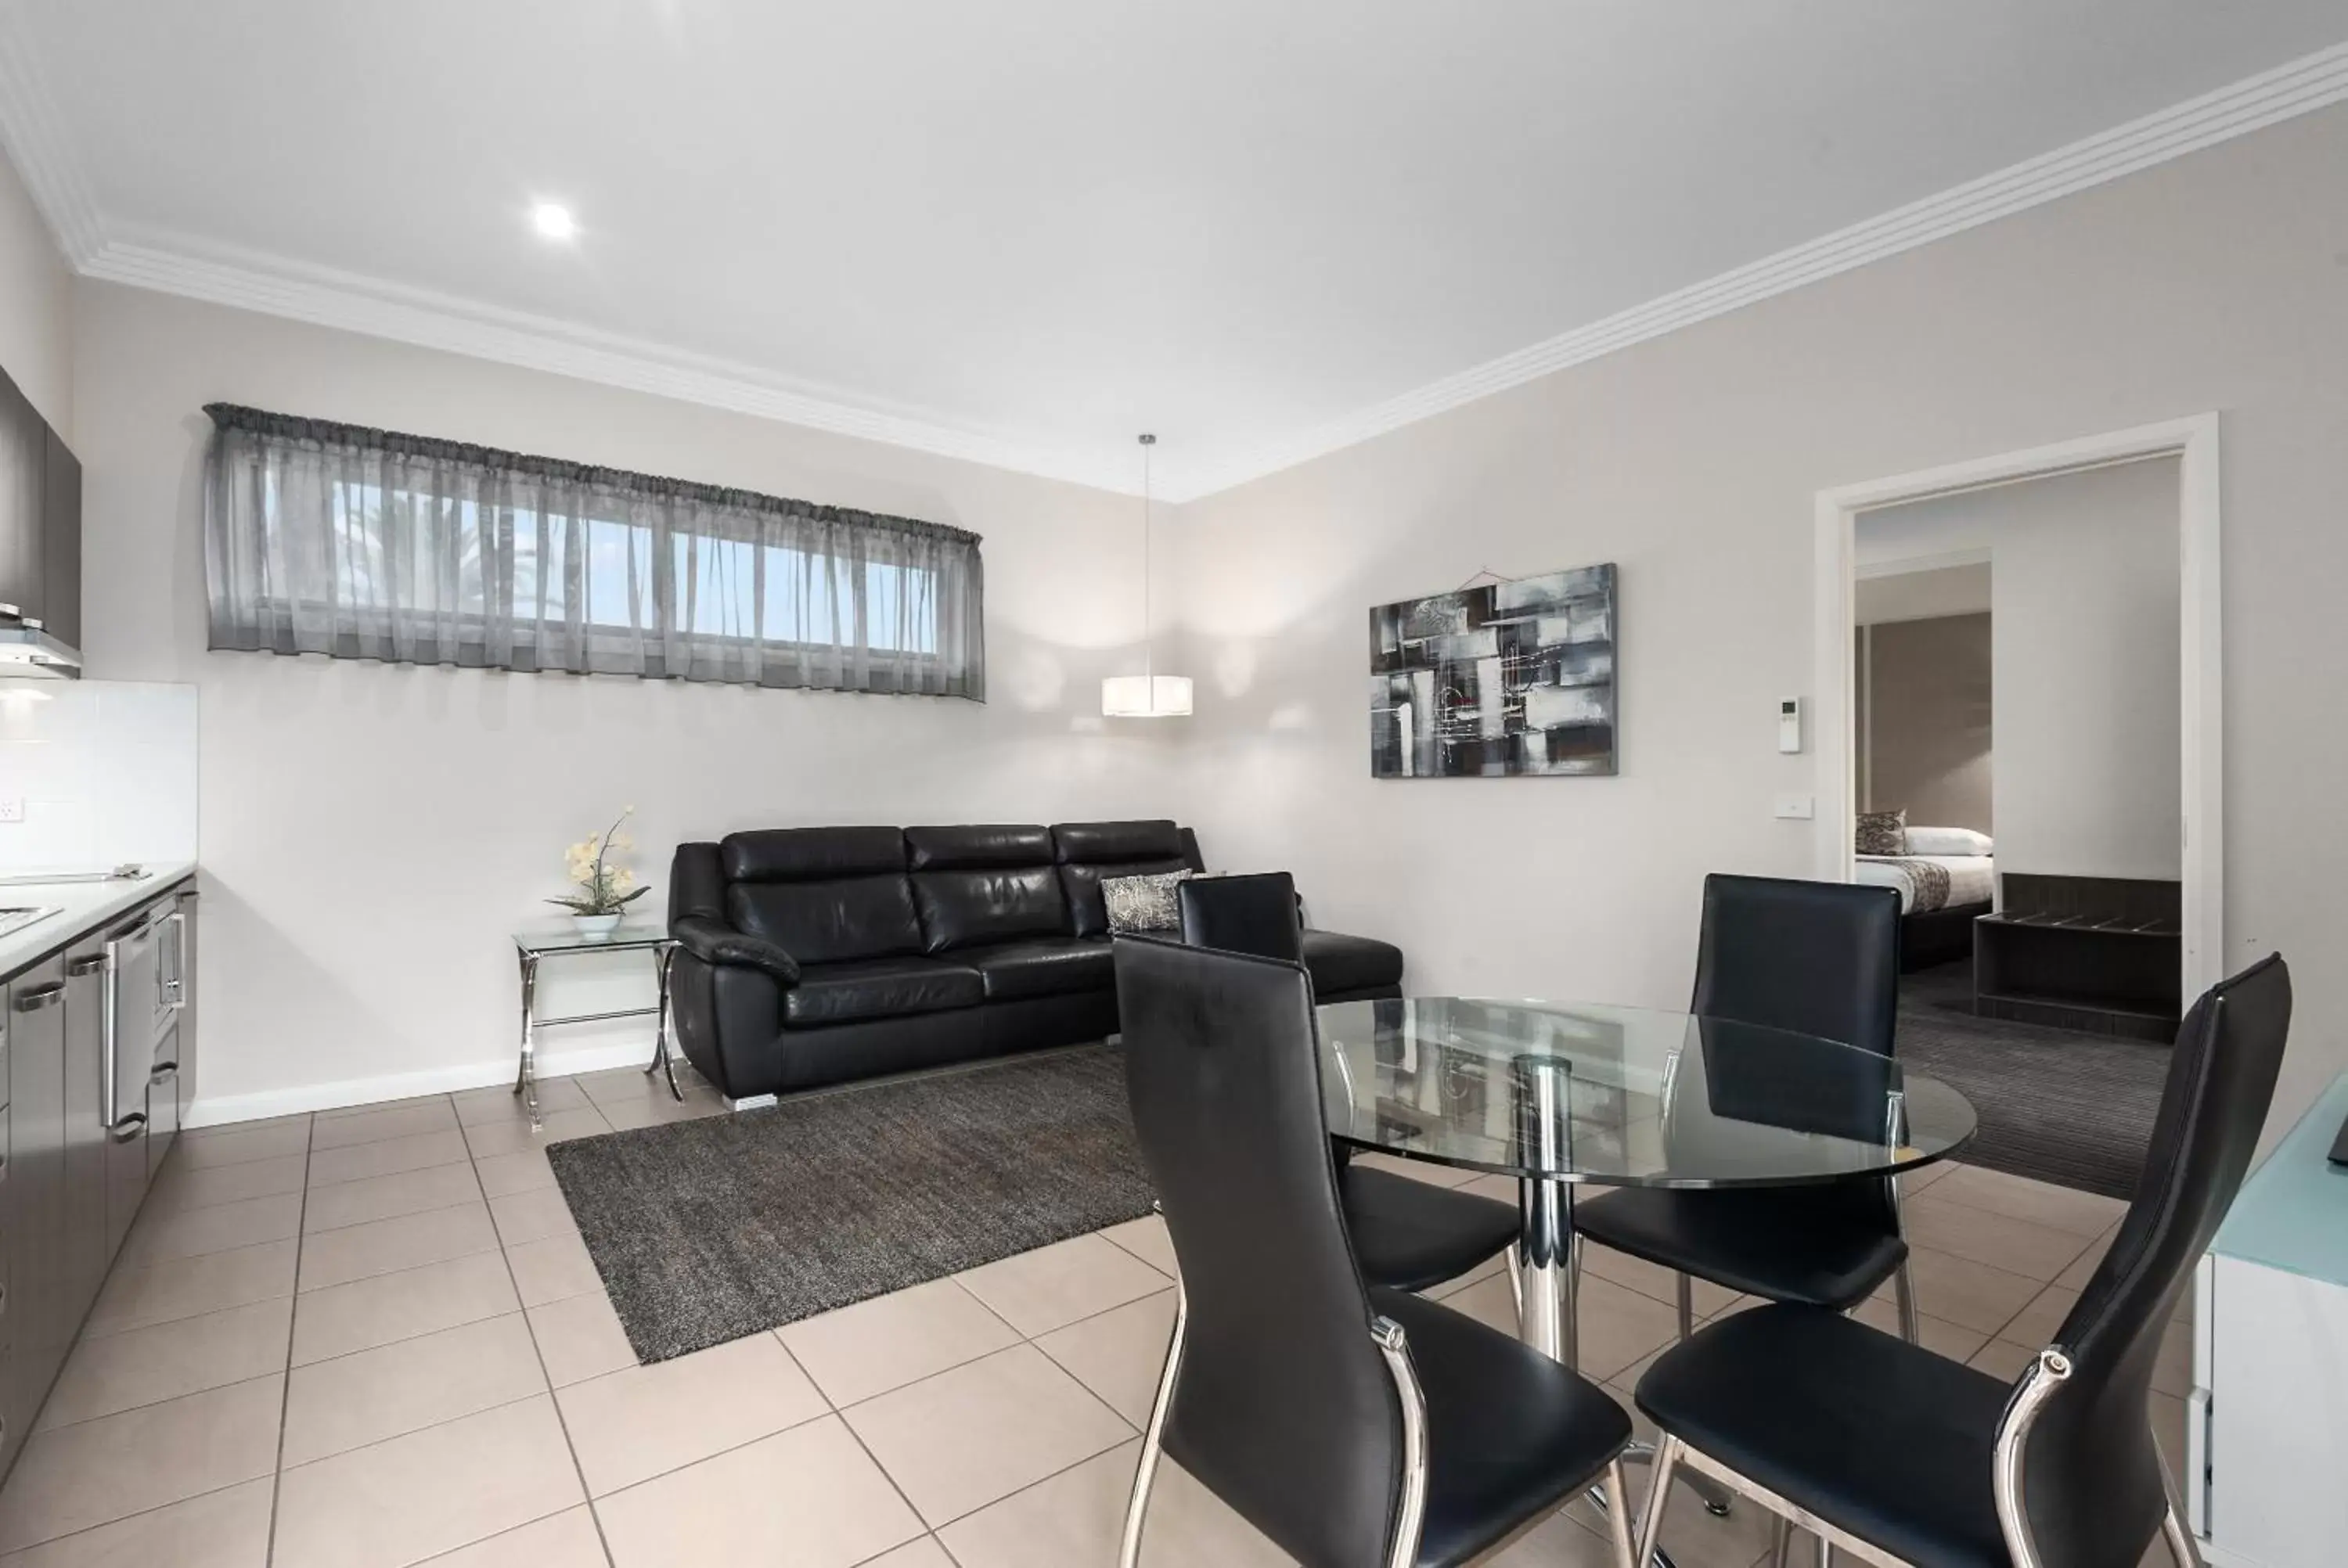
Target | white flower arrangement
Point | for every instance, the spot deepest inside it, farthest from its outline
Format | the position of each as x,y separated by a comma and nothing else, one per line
605,886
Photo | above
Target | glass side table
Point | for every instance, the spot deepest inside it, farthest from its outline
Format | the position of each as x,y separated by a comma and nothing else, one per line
544,942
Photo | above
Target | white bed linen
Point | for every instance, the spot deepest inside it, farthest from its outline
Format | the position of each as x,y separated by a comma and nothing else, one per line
1973,878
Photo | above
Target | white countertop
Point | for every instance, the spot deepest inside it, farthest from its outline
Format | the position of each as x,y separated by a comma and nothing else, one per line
81,907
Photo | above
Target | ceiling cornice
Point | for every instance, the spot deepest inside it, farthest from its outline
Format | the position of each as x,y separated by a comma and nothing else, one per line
280,287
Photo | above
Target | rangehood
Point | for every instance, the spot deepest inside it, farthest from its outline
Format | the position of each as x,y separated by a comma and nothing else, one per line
28,652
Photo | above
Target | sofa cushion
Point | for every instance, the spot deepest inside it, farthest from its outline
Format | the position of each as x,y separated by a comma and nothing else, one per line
1091,852
981,885
830,922
1339,964
811,854
1047,966
878,987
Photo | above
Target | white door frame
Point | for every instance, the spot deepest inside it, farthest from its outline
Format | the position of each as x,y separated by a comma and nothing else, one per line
2194,443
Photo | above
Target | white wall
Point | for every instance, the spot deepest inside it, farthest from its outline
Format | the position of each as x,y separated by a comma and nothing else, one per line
36,305
2213,282
372,832
2084,656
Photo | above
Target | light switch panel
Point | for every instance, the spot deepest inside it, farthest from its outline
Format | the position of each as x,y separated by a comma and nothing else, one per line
1797,807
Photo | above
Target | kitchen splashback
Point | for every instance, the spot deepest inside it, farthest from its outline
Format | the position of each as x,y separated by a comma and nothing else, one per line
95,773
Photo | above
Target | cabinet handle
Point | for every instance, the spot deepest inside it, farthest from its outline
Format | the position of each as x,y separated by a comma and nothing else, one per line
129,1127
40,997
88,965
164,1071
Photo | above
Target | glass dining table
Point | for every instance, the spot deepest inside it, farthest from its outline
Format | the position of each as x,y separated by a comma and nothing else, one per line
1560,1095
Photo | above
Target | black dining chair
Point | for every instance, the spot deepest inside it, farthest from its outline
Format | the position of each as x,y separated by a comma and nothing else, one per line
1355,1426
1818,959
1408,1235
1903,1457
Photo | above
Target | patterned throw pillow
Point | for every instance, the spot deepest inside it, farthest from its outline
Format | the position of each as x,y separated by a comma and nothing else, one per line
1143,903
1882,833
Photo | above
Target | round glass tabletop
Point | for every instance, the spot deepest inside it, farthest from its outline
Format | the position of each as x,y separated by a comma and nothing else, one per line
1624,1096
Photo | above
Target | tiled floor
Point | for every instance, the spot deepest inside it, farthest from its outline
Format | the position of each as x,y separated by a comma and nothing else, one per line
371,1338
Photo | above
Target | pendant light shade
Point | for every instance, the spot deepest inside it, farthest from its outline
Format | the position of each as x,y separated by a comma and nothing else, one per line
1147,695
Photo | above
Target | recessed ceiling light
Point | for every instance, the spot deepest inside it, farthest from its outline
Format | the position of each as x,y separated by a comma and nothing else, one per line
554,221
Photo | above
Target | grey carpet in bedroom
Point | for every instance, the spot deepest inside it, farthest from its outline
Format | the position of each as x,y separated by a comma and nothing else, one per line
2061,1106
709,1230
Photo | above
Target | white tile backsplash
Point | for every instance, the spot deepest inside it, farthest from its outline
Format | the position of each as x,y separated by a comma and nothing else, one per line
100,771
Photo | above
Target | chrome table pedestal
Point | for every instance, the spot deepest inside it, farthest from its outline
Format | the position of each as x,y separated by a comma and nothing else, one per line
534,948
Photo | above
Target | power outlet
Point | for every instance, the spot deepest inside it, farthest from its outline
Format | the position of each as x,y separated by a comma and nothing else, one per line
12,809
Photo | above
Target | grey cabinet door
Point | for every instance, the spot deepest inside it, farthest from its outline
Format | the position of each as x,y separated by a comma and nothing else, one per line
21,526
60,539
86,1252
33,1309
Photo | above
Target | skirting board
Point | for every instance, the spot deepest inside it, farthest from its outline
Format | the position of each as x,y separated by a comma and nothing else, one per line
215,1111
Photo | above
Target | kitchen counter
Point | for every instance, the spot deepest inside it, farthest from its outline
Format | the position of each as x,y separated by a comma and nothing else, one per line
81,907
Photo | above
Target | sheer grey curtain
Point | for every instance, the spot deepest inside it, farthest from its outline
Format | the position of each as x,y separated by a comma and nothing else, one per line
365,544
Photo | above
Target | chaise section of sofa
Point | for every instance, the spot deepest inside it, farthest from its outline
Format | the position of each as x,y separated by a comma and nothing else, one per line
813,956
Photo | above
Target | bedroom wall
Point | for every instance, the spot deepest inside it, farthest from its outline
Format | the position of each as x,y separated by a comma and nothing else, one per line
370,834
1694,460
2083,659
1926,690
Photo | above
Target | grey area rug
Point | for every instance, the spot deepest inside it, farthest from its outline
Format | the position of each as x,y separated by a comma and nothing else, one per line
2055,1105
709,1230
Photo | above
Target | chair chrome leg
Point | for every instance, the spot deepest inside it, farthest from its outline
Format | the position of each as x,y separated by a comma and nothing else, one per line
1904,1287
1781,1539
1686,1305
1826,1552
1516,1288
2181,1547
1618,1515
1659,1490
1145,1474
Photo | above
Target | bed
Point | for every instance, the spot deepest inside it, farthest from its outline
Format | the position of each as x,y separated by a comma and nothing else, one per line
1940,896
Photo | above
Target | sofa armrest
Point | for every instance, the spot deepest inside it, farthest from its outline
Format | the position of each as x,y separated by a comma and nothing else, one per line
712,943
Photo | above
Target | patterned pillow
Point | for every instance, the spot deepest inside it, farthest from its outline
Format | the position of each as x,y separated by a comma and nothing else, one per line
1882,833
1143,903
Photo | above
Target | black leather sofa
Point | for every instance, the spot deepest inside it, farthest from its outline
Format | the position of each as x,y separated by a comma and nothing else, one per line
811,956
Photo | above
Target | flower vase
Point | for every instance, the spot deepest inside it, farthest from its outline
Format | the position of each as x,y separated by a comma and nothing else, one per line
596,928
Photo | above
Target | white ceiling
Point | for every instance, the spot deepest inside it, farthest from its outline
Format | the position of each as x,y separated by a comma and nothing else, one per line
1024,230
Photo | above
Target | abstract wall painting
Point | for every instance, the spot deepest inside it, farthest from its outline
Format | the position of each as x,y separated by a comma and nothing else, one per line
1494,682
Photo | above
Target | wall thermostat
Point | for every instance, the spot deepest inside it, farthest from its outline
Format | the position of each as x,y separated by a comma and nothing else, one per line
1789,724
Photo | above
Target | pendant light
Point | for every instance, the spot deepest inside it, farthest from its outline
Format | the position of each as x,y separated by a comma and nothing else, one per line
1147,695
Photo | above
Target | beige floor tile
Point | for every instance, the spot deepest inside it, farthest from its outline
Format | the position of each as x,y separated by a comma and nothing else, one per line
2003,1359
1652,1280
2018,1246
872,1347
1617,1327
1695,1538
624,1114
2172,1370
1940,1337
187,1356
549,1270
344,1318
960,1439
1916,1181
807,1498
388,1157
387,1197
179,1187
1561,1540
224,1227
565,1540
1119,1355
238,1143
1969,1295
580,1337
405,1499
524,1172
339,1130
2166,1413
1146,1239
533,1215
332,1407
2036,1323
78,1476
1076,1518
1488,1269
1418,1170
512,1137
2042,1203
187,1287
476,1106
1038,1291
386,1246
223,1529
629,1426
2083,1267
923,1554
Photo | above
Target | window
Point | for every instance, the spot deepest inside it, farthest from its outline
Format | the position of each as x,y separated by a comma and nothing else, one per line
363,544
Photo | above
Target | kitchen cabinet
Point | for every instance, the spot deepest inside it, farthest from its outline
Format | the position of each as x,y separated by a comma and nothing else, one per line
23,530
60,539
86,1254
34,1309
